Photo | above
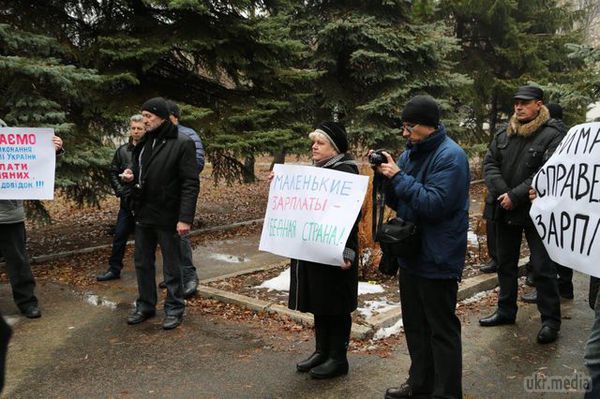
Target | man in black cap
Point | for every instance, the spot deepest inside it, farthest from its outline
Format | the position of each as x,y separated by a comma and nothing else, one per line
164,202
565,274
429,186
190,276
517,152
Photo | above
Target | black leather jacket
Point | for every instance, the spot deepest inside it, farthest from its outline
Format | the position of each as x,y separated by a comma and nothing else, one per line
121,161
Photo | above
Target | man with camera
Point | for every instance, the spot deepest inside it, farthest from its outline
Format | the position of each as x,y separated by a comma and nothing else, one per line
429,186
164,194
517,152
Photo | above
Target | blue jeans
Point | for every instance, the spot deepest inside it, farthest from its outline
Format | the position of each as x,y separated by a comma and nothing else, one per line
187,265
592,353
125,226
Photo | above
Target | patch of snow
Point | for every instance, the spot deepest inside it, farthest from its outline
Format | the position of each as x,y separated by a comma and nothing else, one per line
227,258
279,283
95,300
472,238
369,288
372,307
282,283
11,320
475,298
389,331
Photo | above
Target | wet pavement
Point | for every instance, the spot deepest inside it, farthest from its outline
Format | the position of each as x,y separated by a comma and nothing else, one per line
83,348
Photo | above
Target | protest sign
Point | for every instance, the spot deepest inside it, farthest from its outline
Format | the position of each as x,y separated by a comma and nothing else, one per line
27,160
566,212
310,212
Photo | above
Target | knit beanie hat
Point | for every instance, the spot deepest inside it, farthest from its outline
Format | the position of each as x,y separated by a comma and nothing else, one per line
173,108
336,133
422,110
556,110
157,106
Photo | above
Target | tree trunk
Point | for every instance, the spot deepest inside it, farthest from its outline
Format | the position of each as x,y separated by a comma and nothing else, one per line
248,174
278,157
493,114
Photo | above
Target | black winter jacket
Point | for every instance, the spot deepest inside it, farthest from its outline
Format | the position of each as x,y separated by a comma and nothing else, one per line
516,154
121,161
167,183
325,289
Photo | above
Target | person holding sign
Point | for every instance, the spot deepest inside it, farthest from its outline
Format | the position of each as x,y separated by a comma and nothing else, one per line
429,186
13,248
517,152
329,292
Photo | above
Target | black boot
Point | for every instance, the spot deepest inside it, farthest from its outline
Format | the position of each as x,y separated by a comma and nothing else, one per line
320,355
337,364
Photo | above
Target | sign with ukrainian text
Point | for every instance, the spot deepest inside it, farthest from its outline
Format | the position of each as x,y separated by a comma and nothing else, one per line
27,160
566,212
310,212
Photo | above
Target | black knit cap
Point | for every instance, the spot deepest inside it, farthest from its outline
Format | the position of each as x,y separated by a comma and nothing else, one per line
529,93
556,110
423,110
337,134
173,108
157,106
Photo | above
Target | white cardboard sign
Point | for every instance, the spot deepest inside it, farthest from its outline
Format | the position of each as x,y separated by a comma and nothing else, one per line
27,161
310,212
566,212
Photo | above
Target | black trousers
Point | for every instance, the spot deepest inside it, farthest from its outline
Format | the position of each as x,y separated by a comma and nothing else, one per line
433,335
146,240
12,245
508,243
490,231
5,334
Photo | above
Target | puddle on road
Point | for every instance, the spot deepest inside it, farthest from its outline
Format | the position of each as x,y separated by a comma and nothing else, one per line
227,258
96,300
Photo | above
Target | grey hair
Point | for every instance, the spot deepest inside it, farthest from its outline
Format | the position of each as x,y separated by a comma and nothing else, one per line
3,124
136,118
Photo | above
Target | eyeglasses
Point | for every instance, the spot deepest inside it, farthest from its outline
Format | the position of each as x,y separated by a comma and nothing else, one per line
410,128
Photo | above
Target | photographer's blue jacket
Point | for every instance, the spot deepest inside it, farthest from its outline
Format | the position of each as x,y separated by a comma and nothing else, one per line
432,190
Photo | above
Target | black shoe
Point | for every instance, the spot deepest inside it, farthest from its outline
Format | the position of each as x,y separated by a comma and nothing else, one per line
172,321
530,281
32,312
314,360
547,335
329,369
495,320
190,288
138,317
530,298
162,285
109,275
404,391
490,267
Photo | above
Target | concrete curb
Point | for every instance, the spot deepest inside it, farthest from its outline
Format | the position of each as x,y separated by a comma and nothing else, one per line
45,258
468,288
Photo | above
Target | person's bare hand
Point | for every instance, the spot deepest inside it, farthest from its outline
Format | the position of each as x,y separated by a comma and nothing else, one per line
271,176
183,228
347,264
127,176
532,194
506,202
58,143
388,169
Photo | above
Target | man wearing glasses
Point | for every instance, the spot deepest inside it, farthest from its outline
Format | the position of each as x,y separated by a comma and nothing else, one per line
429,186
517,152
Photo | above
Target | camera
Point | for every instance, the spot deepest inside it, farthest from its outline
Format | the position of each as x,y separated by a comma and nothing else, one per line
377,158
